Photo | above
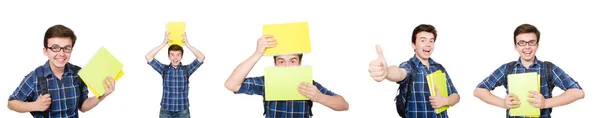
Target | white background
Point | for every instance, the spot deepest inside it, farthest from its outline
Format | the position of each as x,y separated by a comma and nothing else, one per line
474,39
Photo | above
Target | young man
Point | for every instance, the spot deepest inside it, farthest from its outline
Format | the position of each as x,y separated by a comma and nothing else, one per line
420,103
238,83
526,39
54,89
175,102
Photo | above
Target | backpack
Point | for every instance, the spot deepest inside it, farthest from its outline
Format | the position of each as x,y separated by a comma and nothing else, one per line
41,82
310,104
402,98
548,71
187,73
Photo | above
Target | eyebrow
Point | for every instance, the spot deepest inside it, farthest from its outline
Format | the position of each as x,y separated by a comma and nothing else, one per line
59,45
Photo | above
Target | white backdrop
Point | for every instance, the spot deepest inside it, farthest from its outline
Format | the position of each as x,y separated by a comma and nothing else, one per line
474,39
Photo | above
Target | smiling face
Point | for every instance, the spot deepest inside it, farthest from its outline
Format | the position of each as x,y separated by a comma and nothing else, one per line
424,45
526,41
58,51
58,44
175,54
526,46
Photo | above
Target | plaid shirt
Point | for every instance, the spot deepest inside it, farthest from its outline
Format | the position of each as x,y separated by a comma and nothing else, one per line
418,106
175,84
279,109
66,96
559,79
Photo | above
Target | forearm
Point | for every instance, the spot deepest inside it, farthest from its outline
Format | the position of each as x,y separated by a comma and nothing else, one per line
20,106
196,52
235,80
453,99
395,74
487,97
337,102
153,52
569,96
90,103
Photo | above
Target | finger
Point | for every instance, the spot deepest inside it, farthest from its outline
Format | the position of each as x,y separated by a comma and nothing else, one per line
376,74
381,57
375,69
437,91
267,36
379,52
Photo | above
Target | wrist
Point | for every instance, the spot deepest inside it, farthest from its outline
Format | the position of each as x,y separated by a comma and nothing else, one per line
547,103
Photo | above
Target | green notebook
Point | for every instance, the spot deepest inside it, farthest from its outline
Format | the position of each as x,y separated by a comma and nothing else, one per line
520,85
438,79
281,83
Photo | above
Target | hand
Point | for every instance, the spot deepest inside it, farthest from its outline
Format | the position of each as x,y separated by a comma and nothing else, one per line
264,42
310,91
511,101
184,39
439,100
167,40
42,102
109,86
378,67
538,100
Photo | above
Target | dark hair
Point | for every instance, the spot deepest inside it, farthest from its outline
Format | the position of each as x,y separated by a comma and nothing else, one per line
299,57
424,28
526,28
175,48
59,31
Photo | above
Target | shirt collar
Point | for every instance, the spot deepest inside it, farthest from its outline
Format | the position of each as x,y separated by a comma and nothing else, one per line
48,71
415,60
536,62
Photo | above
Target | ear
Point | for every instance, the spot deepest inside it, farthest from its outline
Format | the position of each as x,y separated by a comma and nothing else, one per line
45,51
516,48
414,46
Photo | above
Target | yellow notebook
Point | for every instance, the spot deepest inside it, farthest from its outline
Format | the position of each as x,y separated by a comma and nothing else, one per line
176,29
281,83
103,64
438,78
520,85
292,38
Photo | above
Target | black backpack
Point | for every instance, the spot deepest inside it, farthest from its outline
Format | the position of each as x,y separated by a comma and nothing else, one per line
548,71
41,82
310,104
187,74
402,98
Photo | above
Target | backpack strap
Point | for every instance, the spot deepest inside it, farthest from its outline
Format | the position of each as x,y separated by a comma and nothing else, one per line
510,66
548,78
42,82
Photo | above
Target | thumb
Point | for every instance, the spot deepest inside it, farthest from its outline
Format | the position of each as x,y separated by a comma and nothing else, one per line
437,91
380,55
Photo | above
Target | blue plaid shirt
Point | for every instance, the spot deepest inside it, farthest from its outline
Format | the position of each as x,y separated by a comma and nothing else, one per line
279,109
418,106
66,95
175,84
559,78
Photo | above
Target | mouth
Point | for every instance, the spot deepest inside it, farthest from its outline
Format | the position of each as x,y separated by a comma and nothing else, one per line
527,52
427,51
60,59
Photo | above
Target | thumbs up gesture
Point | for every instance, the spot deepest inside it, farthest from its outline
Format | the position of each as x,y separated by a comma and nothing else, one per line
378,67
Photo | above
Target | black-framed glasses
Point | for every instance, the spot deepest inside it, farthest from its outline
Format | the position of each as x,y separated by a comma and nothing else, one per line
530,43
56,48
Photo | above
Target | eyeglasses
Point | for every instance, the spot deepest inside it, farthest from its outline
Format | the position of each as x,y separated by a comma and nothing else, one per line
531,43
56,48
